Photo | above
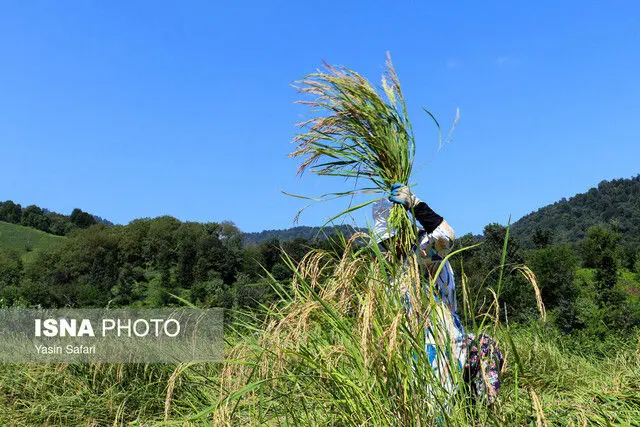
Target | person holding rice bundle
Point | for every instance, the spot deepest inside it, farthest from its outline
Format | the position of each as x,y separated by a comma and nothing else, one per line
360,133
435,242
480,357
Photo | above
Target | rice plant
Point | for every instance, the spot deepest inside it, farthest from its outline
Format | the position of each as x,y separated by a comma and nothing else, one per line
340,350
359,134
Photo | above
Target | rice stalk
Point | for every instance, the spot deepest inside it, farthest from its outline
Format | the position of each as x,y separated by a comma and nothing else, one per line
359,134
531,278
171,383
540,418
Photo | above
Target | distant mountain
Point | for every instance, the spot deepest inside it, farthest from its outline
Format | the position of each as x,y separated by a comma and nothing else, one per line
309,233
614,202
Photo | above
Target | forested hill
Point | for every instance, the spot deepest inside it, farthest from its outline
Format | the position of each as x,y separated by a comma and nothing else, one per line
616,203
307,233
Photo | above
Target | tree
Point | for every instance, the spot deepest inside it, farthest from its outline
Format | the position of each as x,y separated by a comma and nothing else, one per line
91,261
271,253
555,268
46,281
212,293
82,219
482,265
159,246
600,242
542,237
253,262
599,251
494,237
10,276
59,224
187,237
297,248
33,216
232,243
281,272
10,212
132,243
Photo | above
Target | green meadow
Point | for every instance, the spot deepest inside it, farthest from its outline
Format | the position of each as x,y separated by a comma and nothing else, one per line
27,240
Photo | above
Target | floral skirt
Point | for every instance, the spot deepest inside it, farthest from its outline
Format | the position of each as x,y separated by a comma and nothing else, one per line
482,370
478,358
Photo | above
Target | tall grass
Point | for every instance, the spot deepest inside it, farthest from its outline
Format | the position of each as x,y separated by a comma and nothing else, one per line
343,349
359,134
571,388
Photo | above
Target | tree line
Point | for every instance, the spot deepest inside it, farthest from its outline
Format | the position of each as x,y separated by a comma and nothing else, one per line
149,263
615,202
589,287
43,220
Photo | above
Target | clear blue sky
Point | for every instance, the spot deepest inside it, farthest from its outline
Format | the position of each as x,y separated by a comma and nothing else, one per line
142,109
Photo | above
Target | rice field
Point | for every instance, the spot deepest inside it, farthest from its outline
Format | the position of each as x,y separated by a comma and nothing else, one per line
552,386
338,349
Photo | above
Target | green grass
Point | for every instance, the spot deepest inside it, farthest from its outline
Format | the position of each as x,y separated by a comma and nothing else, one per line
630,282
572,389
26,240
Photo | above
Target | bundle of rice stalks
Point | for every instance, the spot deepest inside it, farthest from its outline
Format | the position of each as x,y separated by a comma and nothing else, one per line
358,133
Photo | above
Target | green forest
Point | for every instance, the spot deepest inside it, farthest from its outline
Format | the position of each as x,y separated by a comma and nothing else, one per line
576,365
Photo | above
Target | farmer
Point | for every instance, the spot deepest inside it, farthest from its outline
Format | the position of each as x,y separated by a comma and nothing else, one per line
435,239
435,242
480,357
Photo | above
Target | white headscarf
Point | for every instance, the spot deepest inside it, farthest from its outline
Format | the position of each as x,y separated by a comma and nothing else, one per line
381,210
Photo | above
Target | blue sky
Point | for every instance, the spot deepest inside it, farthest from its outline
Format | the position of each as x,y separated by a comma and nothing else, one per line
142,109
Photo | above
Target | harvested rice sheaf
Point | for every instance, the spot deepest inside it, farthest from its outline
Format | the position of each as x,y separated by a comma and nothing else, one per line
359,133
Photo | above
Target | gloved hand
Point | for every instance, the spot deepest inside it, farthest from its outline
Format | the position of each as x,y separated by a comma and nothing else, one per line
402,195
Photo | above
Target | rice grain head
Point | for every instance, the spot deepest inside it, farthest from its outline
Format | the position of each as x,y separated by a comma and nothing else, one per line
531,278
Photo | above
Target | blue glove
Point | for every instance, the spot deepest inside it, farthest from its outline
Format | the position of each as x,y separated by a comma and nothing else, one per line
401,194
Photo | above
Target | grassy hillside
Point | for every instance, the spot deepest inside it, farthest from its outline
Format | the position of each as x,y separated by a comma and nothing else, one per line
26,240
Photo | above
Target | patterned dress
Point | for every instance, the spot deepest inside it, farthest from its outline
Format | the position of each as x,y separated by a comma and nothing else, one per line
446,334
478,357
